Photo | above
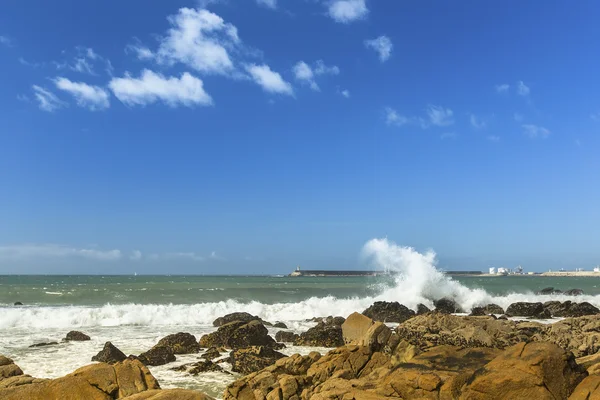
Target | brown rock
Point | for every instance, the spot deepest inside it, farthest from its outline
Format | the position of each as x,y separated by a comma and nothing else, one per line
386,311
493,309
199,367
322,335
211,354
286,337
44,344
252,359
355,327
170,394
157,356
447,306
526,371
235,335
588,389
77,336
235,317
180,343
109,354
523,309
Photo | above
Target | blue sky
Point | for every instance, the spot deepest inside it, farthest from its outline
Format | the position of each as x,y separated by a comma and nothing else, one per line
253,136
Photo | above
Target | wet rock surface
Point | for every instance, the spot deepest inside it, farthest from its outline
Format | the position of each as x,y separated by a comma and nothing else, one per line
385,311
200,367
447,306
157,355
252,359
77,336
180,343
523,309
286,337
109,354
322,335
239,334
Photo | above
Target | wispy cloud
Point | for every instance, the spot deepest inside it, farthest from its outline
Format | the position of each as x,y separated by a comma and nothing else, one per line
200,40
502,88
47,101
535,131
140,51
307,74
440,116
493,138
382,45
522,89
26,251
345,93
269,80
477,122
136,255
86,61
268,3
346,11
6,41
87,96
215,256
393,118
151,87
190,256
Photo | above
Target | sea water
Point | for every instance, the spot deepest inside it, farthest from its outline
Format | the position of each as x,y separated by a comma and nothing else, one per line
134,312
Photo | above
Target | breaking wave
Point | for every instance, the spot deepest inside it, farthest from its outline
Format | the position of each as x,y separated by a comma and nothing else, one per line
416,281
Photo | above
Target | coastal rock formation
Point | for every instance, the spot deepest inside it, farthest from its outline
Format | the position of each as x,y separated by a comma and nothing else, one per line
237,316
280,325
199,367
330,320
157,355
239,334
252,359
8,368
477,312
180,343
447,306
43,344
76,336
493,309
386,311
18,303
169,394
322,335
422,309
578,335
355,327
574,292
549,290
110,354
523,309
570,309
211,354
526,371
286,337
93,382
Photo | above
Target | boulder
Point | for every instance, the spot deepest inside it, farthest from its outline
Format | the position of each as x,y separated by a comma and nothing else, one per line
8,368
526,371
588,389
447,306
355,327
422,309
169,394
286,337
330,320
574,292
43,344
157,355
579,335
77,336
93,382
493,309
253,359
477,312
322,335
109,354
18,303
237,316
385,311
199,367
376,337
211,354
238,334
523,309
548,291
570,309
180,343
280,325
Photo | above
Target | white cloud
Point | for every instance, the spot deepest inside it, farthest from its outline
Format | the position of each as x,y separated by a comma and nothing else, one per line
268,3
87,96
199,39
25,251
346,11
440,116
6,41
136,255
47,100
476,122
269,80
393,118
382,45
215,256
141,52
503,88
522,89
306,74
345,93
535,131
189,256
151,87
86,61
493,138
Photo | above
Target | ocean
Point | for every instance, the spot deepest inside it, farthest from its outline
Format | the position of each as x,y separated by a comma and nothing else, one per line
134,312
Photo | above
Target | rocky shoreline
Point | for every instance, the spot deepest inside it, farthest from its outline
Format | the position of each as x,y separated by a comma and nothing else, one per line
386,352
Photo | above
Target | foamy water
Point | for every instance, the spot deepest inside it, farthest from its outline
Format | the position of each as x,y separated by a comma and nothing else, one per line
136,326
